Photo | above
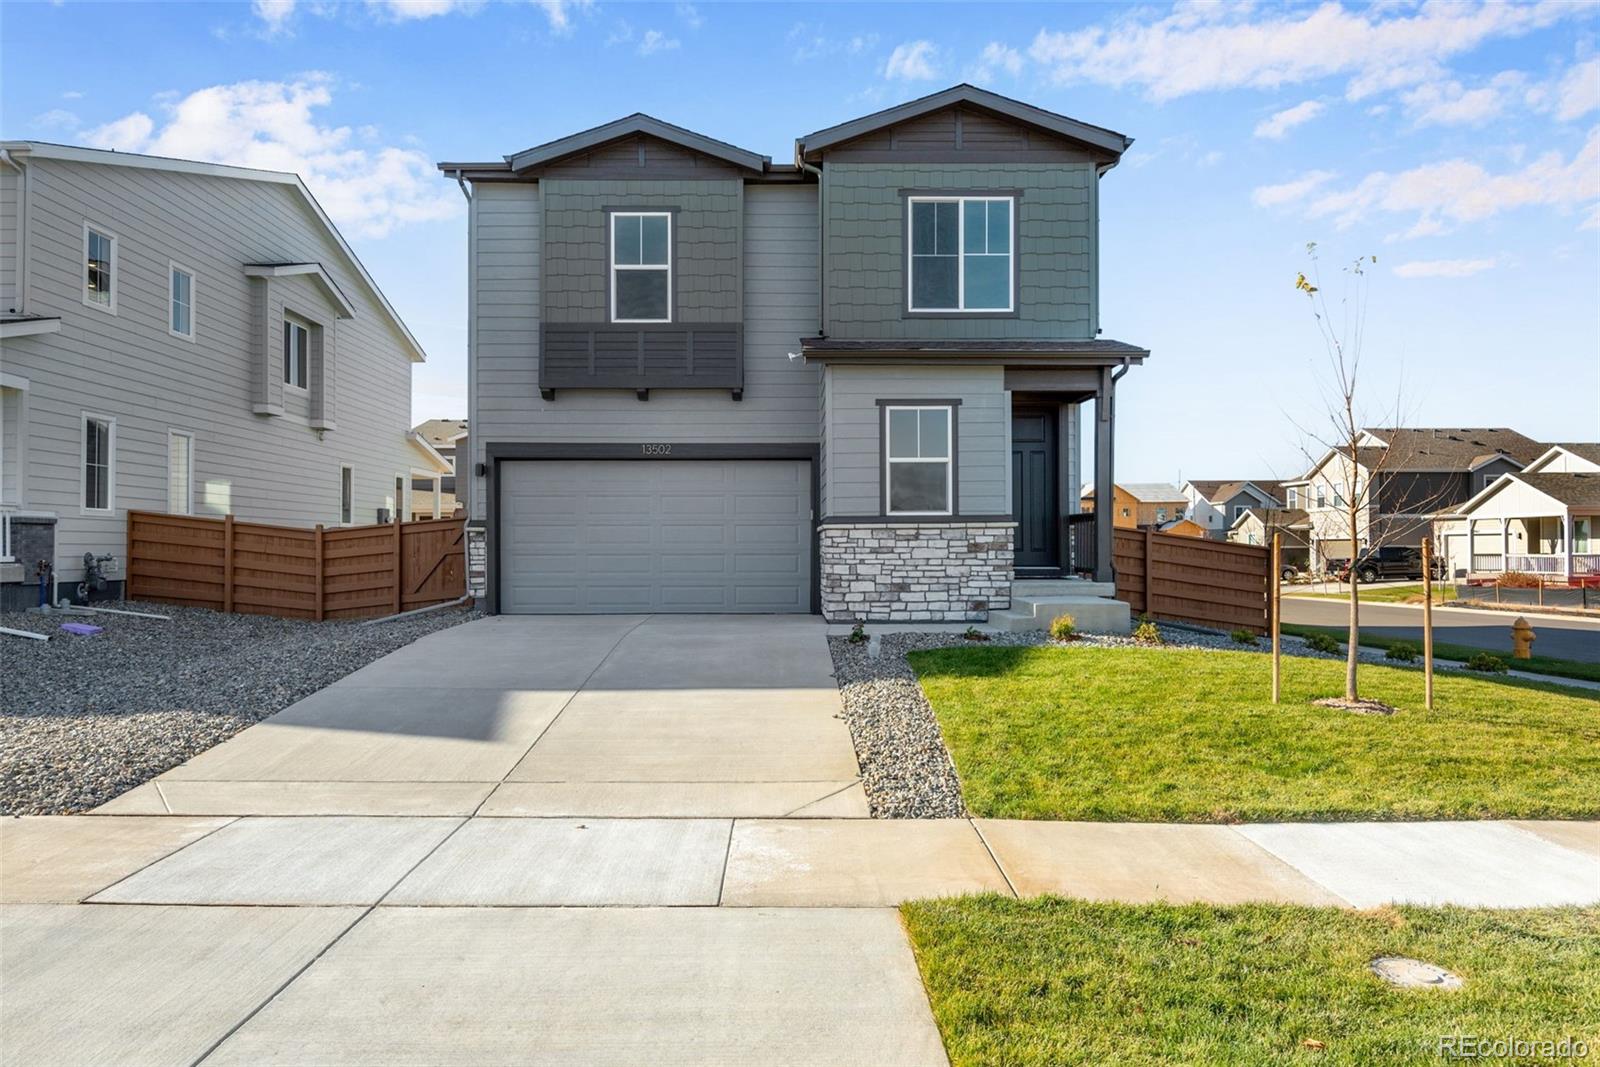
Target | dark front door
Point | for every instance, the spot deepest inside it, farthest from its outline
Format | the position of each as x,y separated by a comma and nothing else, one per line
1034,472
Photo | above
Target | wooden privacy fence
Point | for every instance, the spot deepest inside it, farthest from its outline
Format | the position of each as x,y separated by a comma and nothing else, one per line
252,568
1190,579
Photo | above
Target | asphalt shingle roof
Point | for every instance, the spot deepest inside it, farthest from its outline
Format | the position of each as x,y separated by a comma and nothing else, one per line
1573,490
1446,448
438,432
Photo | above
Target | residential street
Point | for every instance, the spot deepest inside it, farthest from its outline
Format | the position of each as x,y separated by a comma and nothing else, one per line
1560,636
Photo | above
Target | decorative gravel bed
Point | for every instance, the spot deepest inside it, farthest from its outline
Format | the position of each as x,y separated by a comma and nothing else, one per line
905,767
83,719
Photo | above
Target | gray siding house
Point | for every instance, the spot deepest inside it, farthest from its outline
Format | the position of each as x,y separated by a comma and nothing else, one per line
852,384
189,338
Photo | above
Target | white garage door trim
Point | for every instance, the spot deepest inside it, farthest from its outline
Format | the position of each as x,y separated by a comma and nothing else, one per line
605,535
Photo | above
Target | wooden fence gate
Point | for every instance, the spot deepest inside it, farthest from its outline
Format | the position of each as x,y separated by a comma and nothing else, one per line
1219,584
253,568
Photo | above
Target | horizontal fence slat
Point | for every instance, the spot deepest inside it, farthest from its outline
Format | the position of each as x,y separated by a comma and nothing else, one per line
1219,584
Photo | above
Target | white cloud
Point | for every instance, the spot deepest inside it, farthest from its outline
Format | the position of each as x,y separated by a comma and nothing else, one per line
912,61
1579,91
559,12
689,15
1282,122
997,57
1443,268
1449,103
56,118
274,14
811,41
1449,193
414,10
655,41
1195,48
72,94
272,125
1291,191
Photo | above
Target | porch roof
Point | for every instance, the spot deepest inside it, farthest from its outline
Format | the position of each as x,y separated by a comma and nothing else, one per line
1030,353
1535,495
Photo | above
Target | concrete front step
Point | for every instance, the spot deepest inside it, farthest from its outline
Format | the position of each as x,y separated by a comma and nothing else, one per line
1061,587
1090,613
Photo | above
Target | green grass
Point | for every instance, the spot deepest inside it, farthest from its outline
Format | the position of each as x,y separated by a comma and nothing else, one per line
1383,594
1057,982
1559,668
1180,735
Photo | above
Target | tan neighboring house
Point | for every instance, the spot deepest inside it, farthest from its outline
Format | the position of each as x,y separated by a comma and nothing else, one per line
433,491
1543,520
189,338
1136,505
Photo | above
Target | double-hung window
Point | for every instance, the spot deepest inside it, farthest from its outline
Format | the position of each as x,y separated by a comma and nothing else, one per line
296,353
641,266
961,254
919,467
99,462
180,472
180,300
347,494
99,268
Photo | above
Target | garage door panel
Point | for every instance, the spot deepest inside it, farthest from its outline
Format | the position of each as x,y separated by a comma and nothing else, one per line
665,535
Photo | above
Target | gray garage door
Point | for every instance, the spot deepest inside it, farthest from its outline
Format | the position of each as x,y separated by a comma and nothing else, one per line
596,536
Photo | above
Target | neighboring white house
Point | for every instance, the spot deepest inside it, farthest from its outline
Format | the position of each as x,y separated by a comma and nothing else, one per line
189,338
1543,519
435,494
1217,504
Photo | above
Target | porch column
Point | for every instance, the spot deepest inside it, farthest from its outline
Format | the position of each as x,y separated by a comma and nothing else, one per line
438,499
1104,493
1505,545
1566,542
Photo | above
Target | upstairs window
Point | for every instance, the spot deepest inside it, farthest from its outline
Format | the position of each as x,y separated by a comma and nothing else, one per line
1293,500
100,268
180,296
296,353
641,266
918,467
961,254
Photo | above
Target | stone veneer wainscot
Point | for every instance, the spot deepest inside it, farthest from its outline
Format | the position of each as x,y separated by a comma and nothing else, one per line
916,572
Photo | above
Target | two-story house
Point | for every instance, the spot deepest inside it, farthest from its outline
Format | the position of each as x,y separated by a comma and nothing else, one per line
1216,504
856,383
1400,478
189,338
1543,519
1137,505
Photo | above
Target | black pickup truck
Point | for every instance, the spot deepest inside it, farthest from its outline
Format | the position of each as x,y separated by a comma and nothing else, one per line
1390,561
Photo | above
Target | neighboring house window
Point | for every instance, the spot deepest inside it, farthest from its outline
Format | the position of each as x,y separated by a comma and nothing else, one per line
1294,498
100,268
180,472
1580,535
347,495
918,470
180,299
296,353
961,254
399,496
1322,497
1124,512
1239,509
99,462
641,266
1338,499
1161,514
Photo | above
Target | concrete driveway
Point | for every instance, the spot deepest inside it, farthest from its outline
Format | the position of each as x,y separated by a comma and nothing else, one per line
673,716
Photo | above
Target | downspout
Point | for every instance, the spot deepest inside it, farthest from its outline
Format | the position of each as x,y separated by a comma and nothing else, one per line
822,237
462,182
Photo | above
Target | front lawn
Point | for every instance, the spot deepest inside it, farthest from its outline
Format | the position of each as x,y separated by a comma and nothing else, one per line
1189,735
1379,594
1559,668
1051,982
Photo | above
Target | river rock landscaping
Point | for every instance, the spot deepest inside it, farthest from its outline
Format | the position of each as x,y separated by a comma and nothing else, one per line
86,718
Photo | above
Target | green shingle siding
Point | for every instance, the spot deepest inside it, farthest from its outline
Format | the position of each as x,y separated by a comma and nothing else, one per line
866,249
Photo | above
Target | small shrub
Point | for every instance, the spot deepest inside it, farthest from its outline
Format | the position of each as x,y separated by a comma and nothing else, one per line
1243,637
1319,642
1402,652
1063,628
1147,633
972,633
1519,580
858,634
1487,663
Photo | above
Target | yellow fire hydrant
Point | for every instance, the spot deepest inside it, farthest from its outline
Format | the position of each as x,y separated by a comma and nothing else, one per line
1522,637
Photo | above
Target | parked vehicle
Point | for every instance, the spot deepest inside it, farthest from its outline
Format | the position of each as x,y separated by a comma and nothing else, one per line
1390,561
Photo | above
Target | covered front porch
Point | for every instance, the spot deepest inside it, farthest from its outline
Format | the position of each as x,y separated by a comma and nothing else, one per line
1543,525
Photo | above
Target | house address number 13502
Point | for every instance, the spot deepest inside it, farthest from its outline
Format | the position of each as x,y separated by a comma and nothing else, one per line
657,450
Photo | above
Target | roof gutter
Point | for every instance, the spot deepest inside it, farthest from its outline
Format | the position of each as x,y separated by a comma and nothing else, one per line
462,182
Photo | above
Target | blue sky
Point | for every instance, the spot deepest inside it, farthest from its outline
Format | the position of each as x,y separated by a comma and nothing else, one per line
1460,144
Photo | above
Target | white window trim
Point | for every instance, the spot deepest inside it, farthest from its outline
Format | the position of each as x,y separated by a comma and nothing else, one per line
194,291
949,459
83,268
613,266
402,486
290,318
961,255
350,520
21,385
83,464
188,489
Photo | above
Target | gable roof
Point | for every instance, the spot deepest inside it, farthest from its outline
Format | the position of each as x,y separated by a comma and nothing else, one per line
441,431
1152,492
1451,449
323,279
1215,491
1584,450
636,123
439,464
1569,490
75,154
1288,518
1095,136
